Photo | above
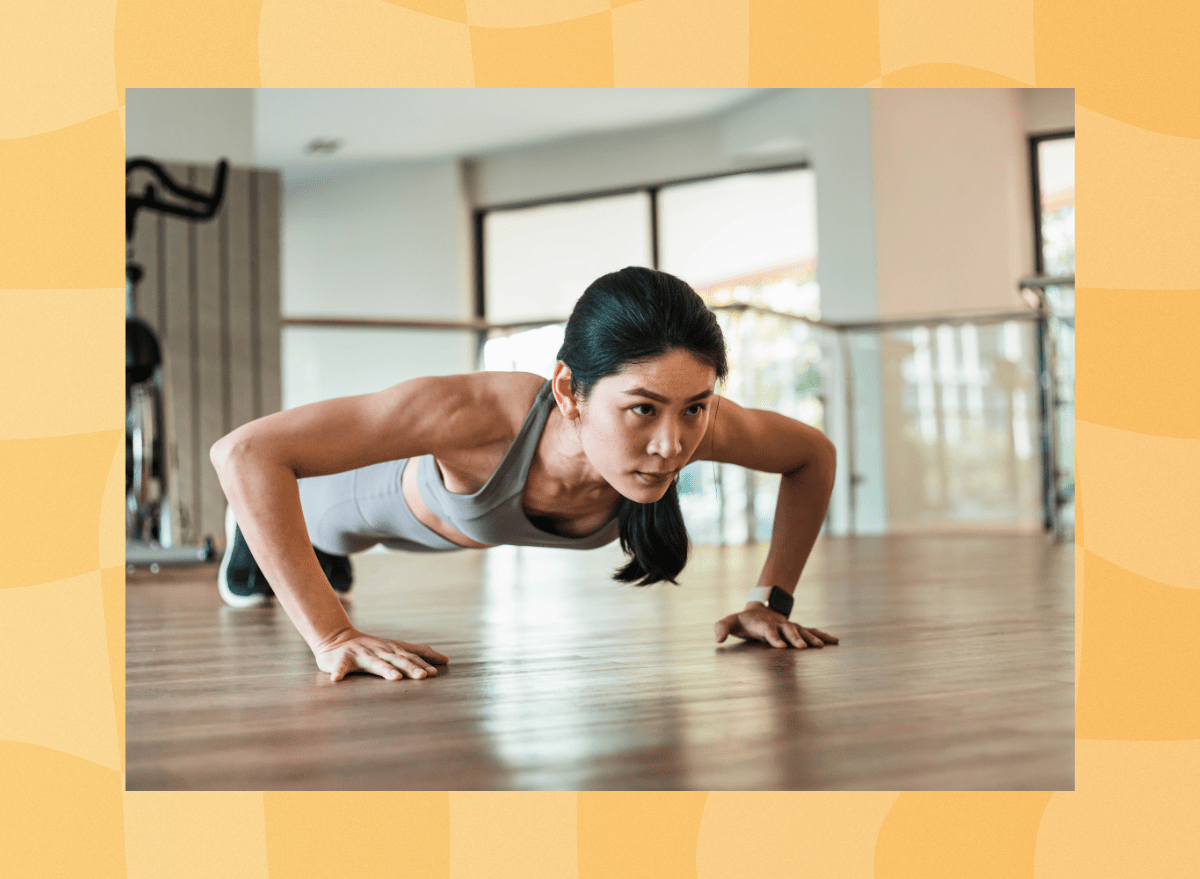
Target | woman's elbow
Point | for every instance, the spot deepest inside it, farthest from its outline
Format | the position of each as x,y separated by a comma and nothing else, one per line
820,458
228,450
828,452
825,457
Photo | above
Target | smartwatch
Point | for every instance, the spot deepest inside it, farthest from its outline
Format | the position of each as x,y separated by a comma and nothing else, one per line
773,597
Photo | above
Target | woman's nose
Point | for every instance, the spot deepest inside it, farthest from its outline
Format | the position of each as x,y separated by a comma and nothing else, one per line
666,442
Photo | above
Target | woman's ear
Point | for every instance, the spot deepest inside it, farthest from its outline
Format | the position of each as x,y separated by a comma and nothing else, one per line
560,384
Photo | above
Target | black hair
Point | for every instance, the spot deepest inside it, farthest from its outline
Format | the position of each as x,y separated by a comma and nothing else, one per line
628,317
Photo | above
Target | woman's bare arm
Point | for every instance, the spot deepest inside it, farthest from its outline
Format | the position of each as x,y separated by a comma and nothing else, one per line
806,461
259,465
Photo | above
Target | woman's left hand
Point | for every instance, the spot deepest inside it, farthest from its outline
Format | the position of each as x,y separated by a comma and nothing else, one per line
760,623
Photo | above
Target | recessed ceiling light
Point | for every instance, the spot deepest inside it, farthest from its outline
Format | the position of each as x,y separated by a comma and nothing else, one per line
324,145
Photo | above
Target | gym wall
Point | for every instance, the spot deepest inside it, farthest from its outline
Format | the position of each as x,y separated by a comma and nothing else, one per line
211,292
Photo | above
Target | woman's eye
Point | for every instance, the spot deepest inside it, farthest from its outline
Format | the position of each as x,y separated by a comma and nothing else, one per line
696,409
643,409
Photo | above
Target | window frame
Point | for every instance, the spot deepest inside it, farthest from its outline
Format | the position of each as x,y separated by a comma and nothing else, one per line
1035,140
1049,465
651,189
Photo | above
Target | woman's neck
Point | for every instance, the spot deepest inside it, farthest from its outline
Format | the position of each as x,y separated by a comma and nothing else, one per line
562,462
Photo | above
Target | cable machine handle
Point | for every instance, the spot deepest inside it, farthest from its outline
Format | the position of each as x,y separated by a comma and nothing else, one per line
209,203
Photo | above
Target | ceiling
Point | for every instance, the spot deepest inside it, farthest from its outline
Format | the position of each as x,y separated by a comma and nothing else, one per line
414,124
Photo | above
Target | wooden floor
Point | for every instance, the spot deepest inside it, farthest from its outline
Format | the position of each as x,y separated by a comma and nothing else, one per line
955,671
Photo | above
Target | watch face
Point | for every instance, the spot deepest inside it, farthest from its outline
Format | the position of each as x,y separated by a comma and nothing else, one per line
780,601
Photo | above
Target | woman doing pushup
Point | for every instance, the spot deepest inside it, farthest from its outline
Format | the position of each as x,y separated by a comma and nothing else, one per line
471,461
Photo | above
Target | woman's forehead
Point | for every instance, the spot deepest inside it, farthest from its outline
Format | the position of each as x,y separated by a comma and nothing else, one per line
677,373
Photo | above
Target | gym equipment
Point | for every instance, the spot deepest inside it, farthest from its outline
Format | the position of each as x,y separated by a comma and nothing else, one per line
154,516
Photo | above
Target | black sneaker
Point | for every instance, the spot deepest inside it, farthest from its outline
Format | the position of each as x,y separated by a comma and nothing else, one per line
240,581
337,571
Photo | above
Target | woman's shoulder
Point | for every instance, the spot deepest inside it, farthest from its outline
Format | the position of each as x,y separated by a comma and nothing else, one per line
505,397
431,415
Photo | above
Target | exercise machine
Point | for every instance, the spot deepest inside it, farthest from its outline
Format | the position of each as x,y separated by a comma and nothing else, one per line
155,519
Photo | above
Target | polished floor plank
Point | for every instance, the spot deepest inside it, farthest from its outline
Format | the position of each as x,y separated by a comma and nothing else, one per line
955,671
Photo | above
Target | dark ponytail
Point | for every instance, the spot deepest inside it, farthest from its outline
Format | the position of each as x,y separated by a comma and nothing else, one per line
654,537
626,317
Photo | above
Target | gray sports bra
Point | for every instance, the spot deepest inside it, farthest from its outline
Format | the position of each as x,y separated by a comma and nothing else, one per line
494,514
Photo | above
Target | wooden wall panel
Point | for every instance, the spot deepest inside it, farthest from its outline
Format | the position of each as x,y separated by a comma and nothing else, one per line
240,372
269,331
176,309
211,291
210,333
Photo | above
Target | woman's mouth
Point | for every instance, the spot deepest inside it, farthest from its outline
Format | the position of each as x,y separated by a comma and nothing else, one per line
655,478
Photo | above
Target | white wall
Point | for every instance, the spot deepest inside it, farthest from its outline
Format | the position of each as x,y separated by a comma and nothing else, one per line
320,363
385,242
604,161
1048,110
955,230
190,125
377,243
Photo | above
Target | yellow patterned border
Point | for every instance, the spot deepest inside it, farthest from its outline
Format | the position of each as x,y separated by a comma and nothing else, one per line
63,69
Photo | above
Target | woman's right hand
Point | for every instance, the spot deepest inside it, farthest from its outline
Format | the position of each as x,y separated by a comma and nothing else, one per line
350,651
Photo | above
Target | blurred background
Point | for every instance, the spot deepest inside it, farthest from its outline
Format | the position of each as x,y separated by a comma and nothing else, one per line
895,267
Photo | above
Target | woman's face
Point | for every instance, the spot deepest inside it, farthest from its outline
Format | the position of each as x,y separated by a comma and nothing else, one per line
639,427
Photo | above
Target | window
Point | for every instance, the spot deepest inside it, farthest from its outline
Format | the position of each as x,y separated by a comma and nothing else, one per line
745,238
1054,165
1053,161
538,260
748,237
